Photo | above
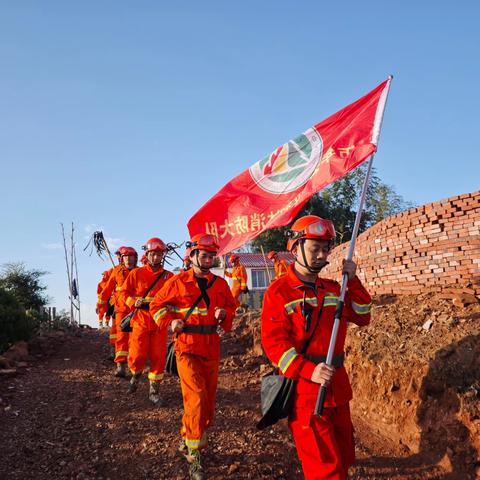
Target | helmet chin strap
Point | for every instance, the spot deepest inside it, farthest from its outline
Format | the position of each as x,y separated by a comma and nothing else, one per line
305,264
202,269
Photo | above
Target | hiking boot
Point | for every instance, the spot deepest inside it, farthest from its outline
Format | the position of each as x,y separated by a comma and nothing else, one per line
134,382
121,370
154,394
182,447
195,460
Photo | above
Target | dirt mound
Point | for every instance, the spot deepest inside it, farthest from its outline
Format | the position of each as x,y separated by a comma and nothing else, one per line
416,406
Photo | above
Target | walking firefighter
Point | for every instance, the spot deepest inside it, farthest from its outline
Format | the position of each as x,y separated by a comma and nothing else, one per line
105,309
195,303
239,277
112,294
146,339
298,310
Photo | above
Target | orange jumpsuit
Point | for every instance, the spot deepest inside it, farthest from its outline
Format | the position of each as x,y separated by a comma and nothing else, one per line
112,291
146,339
280,267
103,303
324,444
198,354
239,277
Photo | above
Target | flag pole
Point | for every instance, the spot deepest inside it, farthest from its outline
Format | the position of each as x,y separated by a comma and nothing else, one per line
266,265
338,312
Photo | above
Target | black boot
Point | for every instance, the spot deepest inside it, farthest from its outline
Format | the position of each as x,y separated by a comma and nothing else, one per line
121,370
195,459
154,394
134,382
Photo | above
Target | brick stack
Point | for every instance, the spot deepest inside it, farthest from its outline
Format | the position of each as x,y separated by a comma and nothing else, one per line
435,247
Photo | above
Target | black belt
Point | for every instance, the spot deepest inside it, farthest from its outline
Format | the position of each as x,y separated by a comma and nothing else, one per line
144,306
337,361
207,329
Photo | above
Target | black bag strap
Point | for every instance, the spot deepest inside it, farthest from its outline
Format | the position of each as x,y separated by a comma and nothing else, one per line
153,284
307,343
199,299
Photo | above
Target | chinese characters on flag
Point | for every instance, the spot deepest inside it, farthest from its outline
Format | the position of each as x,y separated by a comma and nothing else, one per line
272,191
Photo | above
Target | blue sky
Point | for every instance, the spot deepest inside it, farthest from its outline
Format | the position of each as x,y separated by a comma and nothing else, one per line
128,116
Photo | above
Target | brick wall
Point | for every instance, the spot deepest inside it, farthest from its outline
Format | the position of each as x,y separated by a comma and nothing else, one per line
435,247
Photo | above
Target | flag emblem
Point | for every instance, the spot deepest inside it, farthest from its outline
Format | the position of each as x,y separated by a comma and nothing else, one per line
291,165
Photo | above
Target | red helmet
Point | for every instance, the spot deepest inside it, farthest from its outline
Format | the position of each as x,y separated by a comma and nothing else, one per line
310,226
144,260
203,241
233,258
118,251
154,244
271,255
125,251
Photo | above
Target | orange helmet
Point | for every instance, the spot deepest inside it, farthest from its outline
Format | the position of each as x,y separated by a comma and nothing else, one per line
154,244
233,258
271,255
125,251
202,241
310,226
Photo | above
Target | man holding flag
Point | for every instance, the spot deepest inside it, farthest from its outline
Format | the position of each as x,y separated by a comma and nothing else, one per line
298,310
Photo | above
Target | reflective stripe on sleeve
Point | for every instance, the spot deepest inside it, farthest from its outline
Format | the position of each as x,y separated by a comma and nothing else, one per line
361,309
196,311
160,313
330,300
286,359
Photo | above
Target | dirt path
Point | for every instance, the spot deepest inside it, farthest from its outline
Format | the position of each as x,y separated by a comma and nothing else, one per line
68,417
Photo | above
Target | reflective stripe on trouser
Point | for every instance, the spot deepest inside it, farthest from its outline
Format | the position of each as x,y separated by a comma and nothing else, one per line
147,344
113,333
121,342
198,379
325,444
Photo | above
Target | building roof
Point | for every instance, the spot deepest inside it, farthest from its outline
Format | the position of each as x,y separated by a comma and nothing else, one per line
257,260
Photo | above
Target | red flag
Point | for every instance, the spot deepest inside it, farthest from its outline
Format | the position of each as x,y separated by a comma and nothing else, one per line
272,191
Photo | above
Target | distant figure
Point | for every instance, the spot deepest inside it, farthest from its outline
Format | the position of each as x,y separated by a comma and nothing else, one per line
239,277
187,261
279,265
112,294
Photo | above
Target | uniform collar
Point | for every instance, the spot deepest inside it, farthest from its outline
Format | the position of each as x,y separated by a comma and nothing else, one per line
295,282
150,269
190,276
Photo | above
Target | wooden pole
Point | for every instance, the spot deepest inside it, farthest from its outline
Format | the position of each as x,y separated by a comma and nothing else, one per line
266,265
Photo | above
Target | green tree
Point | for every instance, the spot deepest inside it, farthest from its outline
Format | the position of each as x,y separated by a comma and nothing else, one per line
339,202
15,324
25,285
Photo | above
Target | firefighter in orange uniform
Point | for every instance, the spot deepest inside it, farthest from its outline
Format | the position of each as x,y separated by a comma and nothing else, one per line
299,305
101,285
239,277
279,265
146,339
104,308
112,293
197,344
